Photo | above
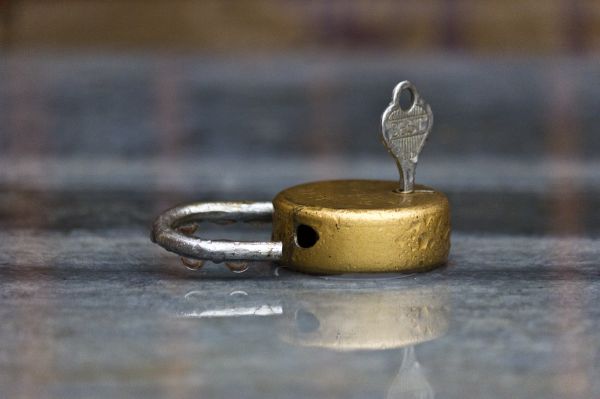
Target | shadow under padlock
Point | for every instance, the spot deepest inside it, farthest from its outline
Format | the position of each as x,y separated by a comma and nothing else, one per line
350,320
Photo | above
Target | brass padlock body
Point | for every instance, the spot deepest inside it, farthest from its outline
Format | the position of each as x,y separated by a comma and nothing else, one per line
350,226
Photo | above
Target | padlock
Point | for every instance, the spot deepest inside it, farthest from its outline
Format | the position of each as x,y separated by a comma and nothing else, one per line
334,227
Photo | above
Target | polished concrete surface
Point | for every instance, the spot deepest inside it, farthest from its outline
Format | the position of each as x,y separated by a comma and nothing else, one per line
94,147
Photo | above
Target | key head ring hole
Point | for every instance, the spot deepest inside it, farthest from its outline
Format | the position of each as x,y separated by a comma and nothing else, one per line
406,99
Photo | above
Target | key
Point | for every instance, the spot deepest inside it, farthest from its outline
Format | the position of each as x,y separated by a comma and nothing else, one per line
405,132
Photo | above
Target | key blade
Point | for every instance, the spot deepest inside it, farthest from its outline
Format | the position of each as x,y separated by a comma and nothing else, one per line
406,130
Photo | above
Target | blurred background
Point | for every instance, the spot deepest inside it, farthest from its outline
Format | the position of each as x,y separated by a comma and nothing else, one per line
113,110
492,27
211,99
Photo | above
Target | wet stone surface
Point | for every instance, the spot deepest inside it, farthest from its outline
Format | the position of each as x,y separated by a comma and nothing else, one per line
92,149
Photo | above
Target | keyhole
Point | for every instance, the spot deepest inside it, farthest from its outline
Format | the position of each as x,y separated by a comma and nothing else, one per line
407,98
306,236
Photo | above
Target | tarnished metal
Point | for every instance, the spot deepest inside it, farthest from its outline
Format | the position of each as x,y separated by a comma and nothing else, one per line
333,227
361,226
405,131
167,233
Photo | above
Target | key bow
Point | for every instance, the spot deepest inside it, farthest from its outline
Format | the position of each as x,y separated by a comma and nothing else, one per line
405,131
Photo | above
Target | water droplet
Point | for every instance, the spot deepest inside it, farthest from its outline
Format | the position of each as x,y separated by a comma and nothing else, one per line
237,267
191,294
192,264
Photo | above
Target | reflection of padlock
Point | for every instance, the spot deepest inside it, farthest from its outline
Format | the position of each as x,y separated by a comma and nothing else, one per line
344,226
344,321
373,319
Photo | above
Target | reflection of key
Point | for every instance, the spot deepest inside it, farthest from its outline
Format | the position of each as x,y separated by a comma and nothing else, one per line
405,130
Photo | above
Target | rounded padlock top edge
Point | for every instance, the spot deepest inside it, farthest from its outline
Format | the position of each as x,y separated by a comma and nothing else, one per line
358,196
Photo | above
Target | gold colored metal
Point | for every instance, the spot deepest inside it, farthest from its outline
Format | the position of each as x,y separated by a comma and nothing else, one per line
349,322
361,226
